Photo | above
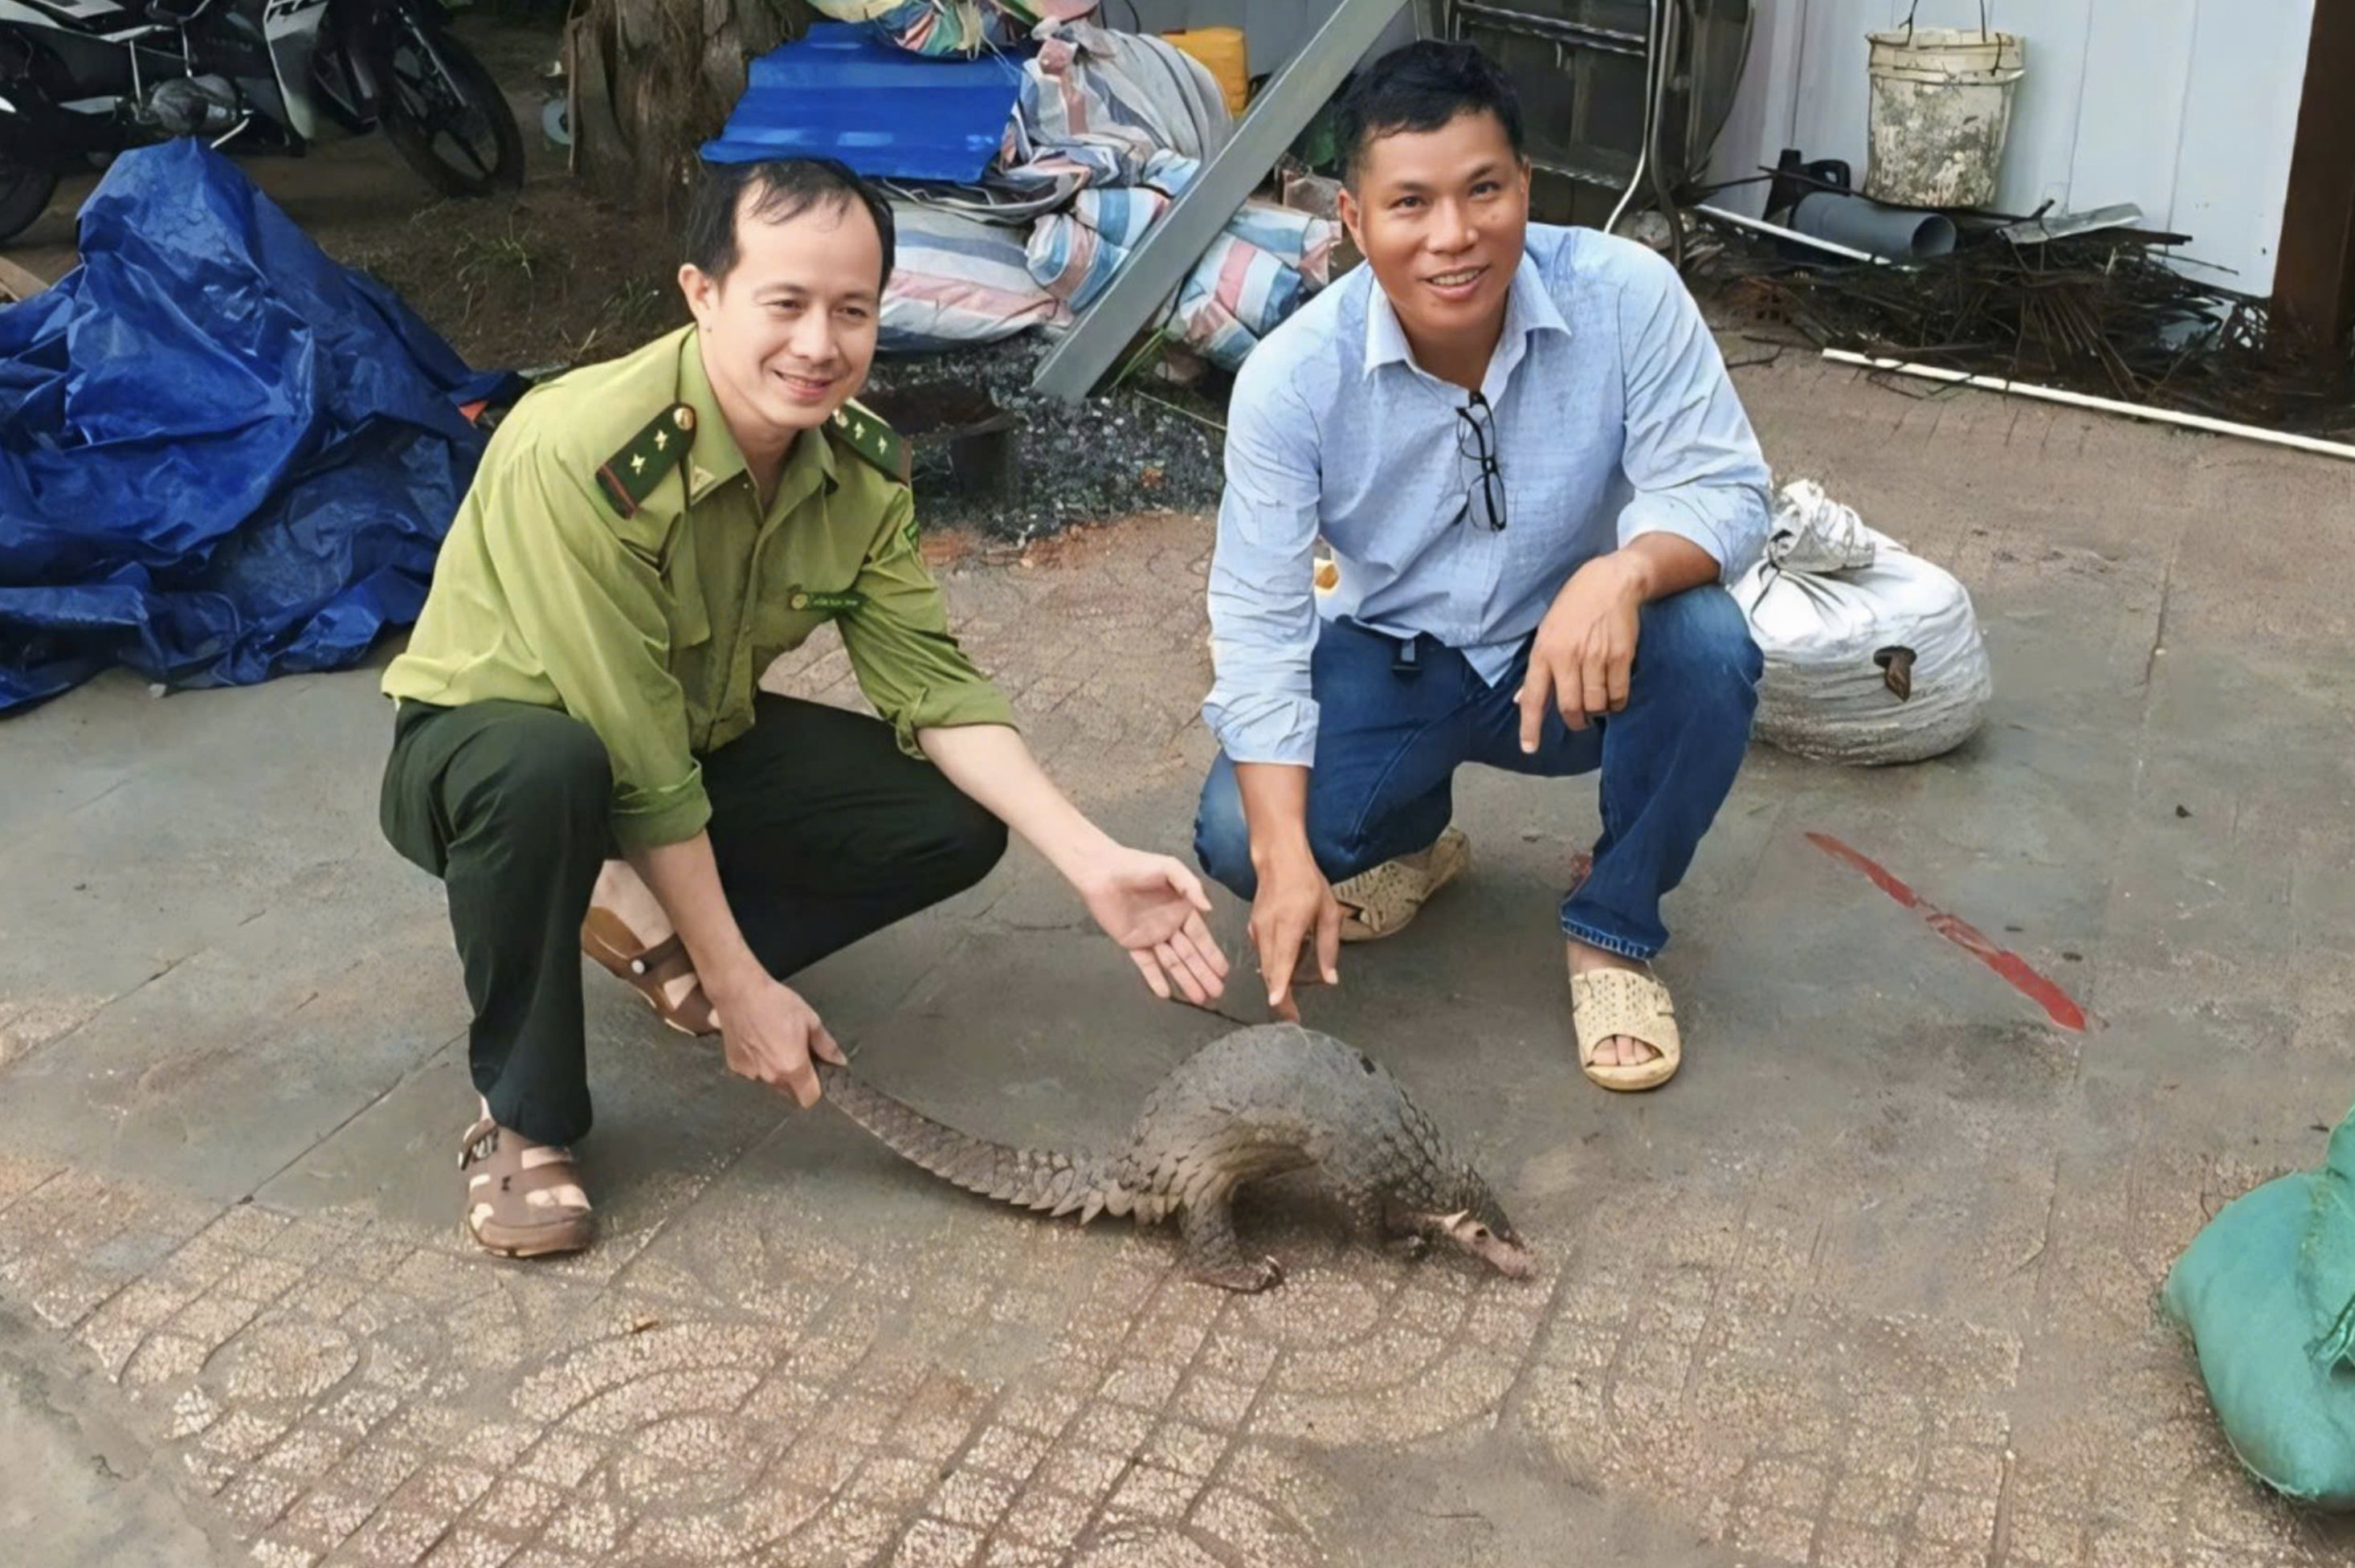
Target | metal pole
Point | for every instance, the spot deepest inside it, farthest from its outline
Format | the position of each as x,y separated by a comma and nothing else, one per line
2104,405
1654,91
1160,265
1762,227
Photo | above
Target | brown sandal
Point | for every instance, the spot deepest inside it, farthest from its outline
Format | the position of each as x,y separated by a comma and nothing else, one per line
513,1202
1378,902
647,970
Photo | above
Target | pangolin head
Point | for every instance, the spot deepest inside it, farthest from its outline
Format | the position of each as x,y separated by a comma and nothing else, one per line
1474,1221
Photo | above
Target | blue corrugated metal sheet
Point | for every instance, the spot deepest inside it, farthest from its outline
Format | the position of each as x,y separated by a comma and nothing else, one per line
842,92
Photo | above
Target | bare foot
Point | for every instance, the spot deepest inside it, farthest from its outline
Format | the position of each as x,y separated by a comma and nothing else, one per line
620,890
1619,1050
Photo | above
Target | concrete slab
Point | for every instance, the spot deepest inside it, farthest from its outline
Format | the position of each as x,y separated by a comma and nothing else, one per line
82,1491
292,1007
206,835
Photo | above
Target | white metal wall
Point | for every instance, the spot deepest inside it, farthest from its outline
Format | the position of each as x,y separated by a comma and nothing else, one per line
2187,107
1274,30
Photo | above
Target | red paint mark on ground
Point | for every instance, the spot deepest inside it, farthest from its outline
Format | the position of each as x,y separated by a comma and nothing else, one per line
2055,1002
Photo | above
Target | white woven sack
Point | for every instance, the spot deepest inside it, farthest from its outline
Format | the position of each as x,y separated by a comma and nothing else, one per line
1873,654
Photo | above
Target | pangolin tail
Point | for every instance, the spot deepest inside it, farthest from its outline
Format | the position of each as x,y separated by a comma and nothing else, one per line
1052,1182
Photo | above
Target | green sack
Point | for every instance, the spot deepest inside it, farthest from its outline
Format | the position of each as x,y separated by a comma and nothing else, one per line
2266,1292
2326,1262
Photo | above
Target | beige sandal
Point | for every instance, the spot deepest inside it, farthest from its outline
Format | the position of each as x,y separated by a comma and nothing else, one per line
1377,902
523,1200
1604,1003
649,970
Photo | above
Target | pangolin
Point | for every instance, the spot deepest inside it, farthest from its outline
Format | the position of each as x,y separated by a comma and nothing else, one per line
1253,1103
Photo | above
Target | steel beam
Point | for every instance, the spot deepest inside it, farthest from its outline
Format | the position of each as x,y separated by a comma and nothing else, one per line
1159,266
2314,271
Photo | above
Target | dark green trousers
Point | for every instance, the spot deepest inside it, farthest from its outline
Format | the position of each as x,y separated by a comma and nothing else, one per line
822,830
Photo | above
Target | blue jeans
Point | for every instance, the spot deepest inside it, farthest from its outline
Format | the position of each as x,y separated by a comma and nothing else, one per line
1388,744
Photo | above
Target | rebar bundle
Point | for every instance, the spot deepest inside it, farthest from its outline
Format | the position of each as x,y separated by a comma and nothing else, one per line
2102,313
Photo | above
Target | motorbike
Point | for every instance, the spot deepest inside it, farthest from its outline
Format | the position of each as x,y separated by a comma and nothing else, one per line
83,79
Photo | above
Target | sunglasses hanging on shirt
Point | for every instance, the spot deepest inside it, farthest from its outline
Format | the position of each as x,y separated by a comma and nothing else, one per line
1475,439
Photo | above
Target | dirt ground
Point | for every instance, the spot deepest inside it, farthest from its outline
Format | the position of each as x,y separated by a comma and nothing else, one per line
551,276
547,275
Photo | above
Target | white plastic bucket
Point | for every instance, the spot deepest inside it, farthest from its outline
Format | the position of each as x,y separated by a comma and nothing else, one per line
1941,109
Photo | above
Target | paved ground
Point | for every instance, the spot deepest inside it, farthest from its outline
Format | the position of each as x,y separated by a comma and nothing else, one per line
83,1488
1870,1285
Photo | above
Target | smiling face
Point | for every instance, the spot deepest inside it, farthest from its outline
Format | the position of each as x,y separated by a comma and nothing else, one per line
1441,217
788,331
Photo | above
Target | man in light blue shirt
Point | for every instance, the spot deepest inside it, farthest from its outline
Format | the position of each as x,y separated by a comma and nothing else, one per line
1520,447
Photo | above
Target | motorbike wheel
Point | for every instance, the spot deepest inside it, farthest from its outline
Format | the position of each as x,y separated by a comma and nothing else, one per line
445,115
24,196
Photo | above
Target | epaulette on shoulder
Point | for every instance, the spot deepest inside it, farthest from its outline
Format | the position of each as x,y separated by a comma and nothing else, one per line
630,475
860,430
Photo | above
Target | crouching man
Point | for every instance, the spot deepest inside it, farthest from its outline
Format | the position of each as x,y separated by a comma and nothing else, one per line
1521,448
582,751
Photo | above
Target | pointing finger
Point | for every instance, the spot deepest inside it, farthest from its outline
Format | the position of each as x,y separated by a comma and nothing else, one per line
1536,689
1279,950
1328,942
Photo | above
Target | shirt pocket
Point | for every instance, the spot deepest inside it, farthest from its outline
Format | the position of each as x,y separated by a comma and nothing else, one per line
690,617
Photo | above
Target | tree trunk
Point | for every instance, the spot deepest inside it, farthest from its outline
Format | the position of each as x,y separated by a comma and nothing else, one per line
651,81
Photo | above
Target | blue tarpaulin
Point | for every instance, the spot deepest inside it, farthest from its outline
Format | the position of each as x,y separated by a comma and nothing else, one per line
223,456
839,92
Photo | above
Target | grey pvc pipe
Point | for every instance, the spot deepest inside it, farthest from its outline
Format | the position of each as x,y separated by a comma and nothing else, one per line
1899,233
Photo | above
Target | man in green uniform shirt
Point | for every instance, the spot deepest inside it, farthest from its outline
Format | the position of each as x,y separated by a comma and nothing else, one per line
582,751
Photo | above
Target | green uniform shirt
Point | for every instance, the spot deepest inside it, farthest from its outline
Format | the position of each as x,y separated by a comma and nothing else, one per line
611,559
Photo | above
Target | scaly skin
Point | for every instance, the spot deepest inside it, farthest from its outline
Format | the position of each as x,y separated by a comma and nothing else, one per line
1252,1104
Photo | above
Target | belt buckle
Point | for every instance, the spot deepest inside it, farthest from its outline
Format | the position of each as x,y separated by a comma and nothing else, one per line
1406,655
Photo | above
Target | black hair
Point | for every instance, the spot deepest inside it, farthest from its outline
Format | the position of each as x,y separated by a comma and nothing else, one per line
1421,87
782,190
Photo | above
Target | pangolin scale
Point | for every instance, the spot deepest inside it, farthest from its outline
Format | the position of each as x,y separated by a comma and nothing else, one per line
1254,1103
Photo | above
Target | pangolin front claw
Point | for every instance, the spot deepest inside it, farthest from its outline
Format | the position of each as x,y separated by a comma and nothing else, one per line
1244,1275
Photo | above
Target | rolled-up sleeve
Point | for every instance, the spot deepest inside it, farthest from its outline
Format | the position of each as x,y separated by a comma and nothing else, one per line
590,613
1691,457
911,668
1262,591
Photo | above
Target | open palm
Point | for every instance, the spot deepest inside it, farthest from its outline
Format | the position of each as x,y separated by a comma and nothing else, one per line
1154,907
